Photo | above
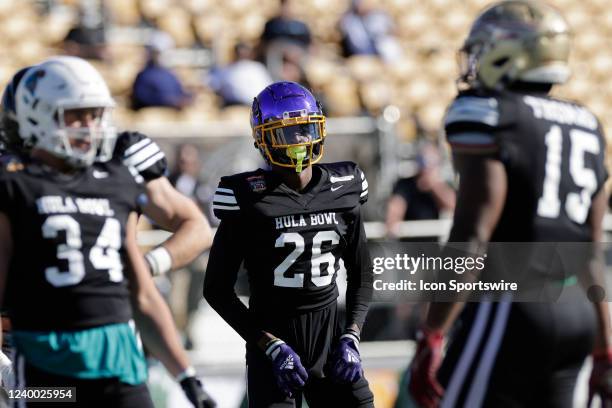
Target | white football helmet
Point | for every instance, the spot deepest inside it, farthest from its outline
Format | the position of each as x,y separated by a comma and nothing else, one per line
50,89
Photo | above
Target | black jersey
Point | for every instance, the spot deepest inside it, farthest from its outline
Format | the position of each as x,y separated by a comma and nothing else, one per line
140,152
553,152
66,271
293,244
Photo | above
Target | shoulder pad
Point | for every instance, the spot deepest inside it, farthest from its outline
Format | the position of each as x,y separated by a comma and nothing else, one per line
473,109
470,123
349,172
143,154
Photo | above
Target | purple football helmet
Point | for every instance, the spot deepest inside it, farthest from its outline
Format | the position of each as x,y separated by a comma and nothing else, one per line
288,125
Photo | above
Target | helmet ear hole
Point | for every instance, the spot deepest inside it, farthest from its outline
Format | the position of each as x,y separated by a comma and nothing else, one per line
500,62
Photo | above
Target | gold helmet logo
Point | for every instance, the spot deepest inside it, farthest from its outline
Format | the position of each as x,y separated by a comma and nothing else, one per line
516,40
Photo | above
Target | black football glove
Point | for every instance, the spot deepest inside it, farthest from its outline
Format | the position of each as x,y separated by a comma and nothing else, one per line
193,389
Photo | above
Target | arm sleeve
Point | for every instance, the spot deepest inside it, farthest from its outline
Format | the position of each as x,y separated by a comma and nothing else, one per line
359,274
140,152
223,265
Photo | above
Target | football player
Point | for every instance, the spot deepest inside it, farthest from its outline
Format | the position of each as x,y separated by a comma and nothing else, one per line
531,170
294,227
167,207
70,266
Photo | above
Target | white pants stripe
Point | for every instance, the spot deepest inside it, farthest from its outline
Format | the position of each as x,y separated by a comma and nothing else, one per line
467,357
483,372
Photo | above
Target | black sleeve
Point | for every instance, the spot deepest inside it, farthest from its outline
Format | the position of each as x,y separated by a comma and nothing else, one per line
358,272
223,265
136,150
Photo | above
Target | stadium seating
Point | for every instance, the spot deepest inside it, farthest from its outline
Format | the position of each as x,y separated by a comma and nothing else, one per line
422,81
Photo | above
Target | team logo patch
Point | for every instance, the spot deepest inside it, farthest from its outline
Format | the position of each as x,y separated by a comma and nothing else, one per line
288,364
257,183
32,81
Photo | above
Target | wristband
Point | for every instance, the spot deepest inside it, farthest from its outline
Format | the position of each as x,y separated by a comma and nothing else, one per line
159,261
189,372
271,348
351,335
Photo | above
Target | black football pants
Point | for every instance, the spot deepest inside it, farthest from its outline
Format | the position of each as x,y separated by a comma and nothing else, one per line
311,336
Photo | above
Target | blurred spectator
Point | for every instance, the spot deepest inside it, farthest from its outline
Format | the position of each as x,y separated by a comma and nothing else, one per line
239,82
286,28
422,196
283,35
187,283
157,85
367,30
88,38
186,174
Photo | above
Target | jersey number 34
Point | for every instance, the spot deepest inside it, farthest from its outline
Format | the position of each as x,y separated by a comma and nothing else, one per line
104,255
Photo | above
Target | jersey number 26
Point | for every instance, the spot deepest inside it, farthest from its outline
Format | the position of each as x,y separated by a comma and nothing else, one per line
317,260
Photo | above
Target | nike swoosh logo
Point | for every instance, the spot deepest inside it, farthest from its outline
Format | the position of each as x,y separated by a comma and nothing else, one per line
100,174
337,188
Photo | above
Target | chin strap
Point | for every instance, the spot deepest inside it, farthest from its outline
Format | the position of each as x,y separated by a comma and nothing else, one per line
297,153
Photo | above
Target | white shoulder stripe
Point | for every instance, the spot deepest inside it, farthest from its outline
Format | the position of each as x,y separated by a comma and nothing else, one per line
142,155
137,146
225,199
343,178
225,207
472,138
365,193
364,185
224,190
473,109
151,161
362,175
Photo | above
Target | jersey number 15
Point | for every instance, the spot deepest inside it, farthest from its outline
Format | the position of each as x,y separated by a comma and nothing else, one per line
577,204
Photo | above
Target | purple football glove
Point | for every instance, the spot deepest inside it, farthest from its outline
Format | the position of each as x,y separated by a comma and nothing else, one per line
288,370
345,362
